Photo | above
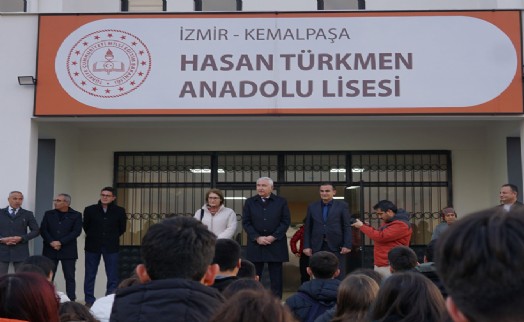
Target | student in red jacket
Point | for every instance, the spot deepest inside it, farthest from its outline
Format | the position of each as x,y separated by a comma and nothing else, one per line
395,231
298,238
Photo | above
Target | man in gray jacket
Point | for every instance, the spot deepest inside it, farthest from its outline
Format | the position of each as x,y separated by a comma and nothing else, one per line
14,222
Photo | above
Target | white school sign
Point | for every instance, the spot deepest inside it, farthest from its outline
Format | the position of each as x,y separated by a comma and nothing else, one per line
343,63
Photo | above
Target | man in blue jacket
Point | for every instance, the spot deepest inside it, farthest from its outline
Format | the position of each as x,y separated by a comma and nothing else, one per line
60,228
328,226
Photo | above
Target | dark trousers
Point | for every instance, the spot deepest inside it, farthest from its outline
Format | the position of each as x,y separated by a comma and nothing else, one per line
341,260
91,269
4,267
303,263
68,268
275,275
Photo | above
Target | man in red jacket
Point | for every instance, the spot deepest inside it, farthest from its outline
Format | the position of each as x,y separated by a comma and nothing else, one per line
395,231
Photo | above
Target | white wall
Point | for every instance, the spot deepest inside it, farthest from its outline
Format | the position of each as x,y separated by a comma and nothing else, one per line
18,133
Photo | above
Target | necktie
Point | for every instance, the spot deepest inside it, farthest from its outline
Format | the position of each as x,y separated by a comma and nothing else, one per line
13,212
325,212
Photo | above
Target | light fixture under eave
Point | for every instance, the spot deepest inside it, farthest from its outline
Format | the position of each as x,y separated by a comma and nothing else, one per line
338,197
26,80
342,170
235,198
352,187
205,170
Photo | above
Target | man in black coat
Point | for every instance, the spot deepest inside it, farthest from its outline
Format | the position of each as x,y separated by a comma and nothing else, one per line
266,219
177,268
60,228
328,226
14,237
104,223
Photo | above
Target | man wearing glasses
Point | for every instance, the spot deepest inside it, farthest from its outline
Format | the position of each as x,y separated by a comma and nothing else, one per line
104,223
60,228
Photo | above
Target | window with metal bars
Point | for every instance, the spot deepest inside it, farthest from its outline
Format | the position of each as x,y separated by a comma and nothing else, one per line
13,6
218,5
143,5
341,4
152,186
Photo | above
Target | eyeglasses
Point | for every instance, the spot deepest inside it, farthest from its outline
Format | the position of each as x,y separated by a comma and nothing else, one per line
213,197
58,200
105,196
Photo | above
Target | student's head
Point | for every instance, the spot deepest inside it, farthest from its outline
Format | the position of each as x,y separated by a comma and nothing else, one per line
73,311
107,195
480,260
410,297
323,265
253,306
355,295
385,209
376,276
247,270
28,297
227,254
180,247
402,258
242,284
45,264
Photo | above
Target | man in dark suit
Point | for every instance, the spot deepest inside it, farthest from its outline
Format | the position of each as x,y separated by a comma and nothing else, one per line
266,219
328,226
104,223
14,222
508,197
60,228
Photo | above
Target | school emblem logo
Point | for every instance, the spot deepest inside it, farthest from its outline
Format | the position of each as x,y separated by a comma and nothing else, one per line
109,63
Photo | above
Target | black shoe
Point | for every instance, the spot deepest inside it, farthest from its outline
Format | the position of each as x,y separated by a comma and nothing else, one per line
89,304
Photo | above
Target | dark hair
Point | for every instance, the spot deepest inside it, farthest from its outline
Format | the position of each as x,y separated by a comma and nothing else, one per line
227,254
29,297
411,297
480,260
247,270
430,250
327,183
73,311
253,306
385,205
130,281
356,294
180,247
218,192
376,276
46,264
242,284
402,258
110,189
323,264
513,187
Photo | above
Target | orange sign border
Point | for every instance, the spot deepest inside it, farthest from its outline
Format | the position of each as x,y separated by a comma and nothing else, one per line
52,100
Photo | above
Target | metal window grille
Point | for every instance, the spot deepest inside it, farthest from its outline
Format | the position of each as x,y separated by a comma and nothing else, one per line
155,185
13,6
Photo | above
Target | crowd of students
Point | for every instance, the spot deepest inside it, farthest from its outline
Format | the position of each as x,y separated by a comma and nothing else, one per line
187,274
